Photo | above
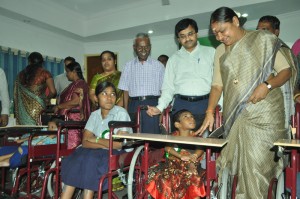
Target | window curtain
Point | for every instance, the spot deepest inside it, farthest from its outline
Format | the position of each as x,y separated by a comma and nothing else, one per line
13,61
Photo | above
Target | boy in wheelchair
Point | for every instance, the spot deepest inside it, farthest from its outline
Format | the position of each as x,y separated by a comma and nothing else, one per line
181,175
15,156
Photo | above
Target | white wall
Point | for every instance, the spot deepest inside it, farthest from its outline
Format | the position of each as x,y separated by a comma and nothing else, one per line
289,26
160,45
26,37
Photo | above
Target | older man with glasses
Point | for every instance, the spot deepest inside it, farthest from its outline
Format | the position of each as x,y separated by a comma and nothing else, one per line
188,74
141,81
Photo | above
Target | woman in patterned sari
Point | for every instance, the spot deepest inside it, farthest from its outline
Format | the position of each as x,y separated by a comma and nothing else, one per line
29,91
250,68
74,102
110,74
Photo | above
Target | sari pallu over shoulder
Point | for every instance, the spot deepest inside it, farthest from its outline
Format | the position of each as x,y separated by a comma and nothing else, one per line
239,62
28,102
113,78
79,87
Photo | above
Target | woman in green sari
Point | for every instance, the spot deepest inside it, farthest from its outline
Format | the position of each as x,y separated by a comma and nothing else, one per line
110,74
250,68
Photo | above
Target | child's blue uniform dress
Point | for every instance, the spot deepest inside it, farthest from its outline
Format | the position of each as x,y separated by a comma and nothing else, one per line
84,167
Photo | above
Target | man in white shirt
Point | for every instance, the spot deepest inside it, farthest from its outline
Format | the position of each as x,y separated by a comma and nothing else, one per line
4,98
61,81
188,74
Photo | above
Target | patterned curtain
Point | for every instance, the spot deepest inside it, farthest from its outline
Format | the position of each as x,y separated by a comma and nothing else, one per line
13,61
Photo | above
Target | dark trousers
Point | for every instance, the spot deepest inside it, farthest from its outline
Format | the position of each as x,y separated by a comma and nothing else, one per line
198,109
148,124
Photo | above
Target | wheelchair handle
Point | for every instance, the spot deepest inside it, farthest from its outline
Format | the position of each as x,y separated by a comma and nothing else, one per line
118,124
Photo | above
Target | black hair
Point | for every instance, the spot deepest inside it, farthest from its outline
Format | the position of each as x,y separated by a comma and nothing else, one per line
163,56
176,116
184,24
113,55
35,58
274,21
56,120
103,85
222,14
35,61
71,59
75,66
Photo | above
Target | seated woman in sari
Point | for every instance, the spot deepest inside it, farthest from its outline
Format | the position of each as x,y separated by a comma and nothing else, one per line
181,176
74,102
30,91
110,74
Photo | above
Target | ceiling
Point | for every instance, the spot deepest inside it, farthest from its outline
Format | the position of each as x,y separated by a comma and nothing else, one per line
108,20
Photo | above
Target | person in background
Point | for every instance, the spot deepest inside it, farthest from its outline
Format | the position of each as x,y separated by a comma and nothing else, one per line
188,74
110,73
61,81
88,163
253,101
4,99
74,102
141,81
163,59
15,156
29,91
272,24
180,176
296,48
296,52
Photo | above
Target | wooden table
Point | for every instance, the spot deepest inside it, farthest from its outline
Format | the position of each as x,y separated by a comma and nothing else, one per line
291,172
208,143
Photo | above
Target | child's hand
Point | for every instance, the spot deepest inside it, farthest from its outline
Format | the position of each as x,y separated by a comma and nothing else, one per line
193,157
192,169
185,158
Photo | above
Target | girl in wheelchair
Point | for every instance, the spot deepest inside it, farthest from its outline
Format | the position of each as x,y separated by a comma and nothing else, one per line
15,156
181,175
83,168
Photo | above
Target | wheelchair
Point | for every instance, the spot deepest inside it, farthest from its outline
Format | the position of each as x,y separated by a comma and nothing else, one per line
287,180
146,157
30,182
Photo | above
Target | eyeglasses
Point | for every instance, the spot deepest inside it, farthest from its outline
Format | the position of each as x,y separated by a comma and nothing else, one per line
139,48
183,37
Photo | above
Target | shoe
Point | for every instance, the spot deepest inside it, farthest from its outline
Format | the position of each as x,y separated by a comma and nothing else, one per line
117,184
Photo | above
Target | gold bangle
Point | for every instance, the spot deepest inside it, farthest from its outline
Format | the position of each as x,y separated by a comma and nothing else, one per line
297,95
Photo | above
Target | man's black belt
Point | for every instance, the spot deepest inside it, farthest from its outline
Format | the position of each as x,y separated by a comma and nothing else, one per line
142,98
192,98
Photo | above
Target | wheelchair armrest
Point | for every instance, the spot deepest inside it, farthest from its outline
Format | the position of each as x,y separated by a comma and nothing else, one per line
69,124
74,111
118,124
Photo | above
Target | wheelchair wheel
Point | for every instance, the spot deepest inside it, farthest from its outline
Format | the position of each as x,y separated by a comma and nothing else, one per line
280,186
225,186
51,185
135,186
36,183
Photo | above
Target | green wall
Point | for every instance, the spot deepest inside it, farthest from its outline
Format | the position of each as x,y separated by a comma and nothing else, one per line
209,41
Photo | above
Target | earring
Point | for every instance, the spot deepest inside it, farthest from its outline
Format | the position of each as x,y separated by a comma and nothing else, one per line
238,25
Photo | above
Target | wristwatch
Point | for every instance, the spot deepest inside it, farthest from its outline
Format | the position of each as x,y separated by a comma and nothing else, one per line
269,86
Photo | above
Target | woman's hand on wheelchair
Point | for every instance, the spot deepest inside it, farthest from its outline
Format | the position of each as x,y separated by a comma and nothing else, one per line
207,123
